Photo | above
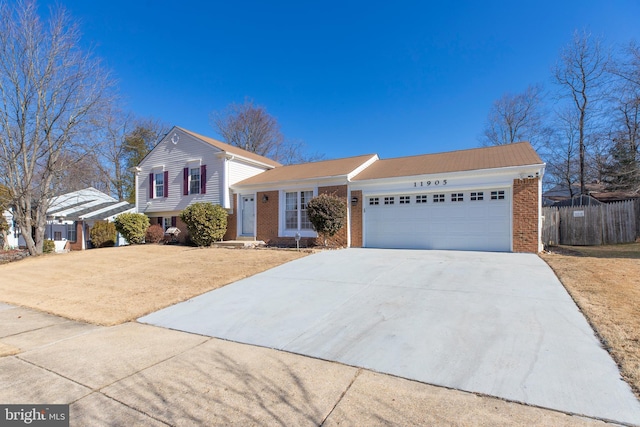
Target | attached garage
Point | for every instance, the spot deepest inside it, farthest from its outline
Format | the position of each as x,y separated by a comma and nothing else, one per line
460,220
483,199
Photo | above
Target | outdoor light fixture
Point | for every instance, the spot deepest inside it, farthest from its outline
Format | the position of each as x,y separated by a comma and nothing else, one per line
265,198
354,201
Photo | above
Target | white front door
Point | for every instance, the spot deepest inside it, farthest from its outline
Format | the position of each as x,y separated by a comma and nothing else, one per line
248,215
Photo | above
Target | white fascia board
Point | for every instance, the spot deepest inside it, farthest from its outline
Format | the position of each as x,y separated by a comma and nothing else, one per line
362,167
105,209
236,157
285,185
450,181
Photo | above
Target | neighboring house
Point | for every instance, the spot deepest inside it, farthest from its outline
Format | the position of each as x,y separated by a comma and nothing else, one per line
478,199
71,216
13,232
184,168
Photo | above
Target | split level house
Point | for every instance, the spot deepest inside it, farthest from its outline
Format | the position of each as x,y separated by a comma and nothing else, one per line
478,199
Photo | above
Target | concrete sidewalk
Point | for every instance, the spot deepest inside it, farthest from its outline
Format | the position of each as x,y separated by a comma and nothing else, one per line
135,374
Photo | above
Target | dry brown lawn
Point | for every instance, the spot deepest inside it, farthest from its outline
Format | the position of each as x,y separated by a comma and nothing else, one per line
605,283
115,285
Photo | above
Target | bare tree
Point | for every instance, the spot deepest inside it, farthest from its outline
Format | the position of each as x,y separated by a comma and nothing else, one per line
126,140
137,143
51,93
252,128
515,118
582,77
562,151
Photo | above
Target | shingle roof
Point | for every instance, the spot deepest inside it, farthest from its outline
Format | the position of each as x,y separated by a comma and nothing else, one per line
322,169
518,154
232,149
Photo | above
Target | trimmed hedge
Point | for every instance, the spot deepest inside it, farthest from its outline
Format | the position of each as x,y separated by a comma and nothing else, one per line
132,226
205,222
103,234
327,214
154,234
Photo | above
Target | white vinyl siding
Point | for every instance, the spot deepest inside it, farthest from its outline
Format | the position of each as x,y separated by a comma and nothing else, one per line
187,153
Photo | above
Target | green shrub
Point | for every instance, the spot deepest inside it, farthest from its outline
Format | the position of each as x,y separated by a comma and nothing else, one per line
132,226
103,234
205,222
154,234
327,214
48,246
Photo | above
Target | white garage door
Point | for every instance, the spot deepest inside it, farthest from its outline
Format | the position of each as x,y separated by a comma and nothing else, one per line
465,220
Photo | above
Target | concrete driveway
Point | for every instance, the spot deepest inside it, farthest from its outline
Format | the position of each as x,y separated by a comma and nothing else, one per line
490,323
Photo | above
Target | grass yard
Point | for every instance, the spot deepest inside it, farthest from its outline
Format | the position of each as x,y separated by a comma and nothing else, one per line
115,285
605,283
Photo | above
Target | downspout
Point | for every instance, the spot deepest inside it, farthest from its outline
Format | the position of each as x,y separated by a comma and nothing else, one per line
136,171
225,182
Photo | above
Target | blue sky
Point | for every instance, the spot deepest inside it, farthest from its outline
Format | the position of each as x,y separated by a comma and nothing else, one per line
347,78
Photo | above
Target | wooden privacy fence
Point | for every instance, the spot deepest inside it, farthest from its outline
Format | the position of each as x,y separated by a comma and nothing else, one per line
606,224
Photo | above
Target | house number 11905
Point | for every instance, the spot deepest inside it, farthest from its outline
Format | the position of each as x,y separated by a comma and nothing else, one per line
429,183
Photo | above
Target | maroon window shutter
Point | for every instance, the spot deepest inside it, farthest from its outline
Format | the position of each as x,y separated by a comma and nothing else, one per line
203,179
185,181
159,220
151,185
174,220
166,183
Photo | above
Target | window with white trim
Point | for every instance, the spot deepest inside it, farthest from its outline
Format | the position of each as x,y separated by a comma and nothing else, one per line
71,232
158,179
438,198
374,201
405,200
421,198
457,197
497,195
296,210
194,180
389,200
167,222
477,195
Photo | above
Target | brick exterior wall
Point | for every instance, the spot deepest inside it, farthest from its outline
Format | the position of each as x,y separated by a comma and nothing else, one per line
525,215
77,245
356,220
267,221
267,217
232,221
